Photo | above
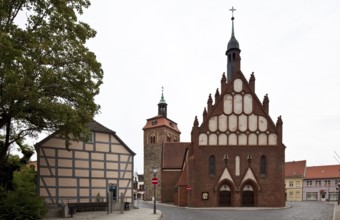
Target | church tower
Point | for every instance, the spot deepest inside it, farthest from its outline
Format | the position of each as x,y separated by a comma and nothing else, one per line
157,131
236,157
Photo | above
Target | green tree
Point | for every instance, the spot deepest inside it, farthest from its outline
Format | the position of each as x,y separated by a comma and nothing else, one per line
22,202
48,77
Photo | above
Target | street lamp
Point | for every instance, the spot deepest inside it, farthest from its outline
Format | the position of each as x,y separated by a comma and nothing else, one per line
154,171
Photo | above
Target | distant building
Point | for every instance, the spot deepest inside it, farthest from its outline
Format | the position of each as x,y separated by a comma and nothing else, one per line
321,182
85,172
236,156
294,174
138,186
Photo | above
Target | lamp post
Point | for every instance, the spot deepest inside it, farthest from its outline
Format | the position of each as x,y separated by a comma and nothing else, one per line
154,171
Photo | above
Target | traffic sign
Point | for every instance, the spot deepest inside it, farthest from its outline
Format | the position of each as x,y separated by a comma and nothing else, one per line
189,188
154,181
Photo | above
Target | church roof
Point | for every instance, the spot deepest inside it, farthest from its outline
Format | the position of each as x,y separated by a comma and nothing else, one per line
159,121
173,155
322,172
295,168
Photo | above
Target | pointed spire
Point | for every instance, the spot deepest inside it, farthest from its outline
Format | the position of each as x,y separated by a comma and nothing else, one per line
196,122
162,106
252,82
233,52
209,102
205,113
279,129
223,82
233,43
265,104
217,95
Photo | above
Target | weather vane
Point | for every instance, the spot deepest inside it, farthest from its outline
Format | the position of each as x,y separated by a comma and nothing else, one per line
232,11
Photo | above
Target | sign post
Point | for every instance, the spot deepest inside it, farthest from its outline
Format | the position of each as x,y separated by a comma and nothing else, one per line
154,181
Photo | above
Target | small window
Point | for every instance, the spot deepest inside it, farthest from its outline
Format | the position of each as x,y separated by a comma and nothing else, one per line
154,122
212,165
152,139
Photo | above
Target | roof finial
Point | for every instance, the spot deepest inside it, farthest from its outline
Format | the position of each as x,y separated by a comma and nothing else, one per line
232,12
232,19
162,97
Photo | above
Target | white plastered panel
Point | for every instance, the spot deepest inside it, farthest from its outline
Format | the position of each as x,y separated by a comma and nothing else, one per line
242,122
262,123
262,139
238,104
212,139
252,139
222,139
228,104
252,122
238,85
242,139
232,122
213,124
222,123
232,139
248,104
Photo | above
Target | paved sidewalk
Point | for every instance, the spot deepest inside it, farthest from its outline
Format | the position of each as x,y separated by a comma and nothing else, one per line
132,214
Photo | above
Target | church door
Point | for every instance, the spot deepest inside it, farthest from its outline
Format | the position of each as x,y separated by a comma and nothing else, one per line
248,196
225,196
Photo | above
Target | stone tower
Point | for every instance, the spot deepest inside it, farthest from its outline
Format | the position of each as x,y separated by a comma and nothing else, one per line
157,131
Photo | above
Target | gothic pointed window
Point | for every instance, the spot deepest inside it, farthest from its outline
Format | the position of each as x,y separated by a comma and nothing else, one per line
263,166
212,165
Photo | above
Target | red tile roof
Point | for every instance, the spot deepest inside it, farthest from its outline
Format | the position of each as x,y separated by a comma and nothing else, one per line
295,168
159,121
322,172
173,155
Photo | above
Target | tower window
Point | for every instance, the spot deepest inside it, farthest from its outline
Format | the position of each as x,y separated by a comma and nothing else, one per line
154,122
212,165
152,139
233,56
263,166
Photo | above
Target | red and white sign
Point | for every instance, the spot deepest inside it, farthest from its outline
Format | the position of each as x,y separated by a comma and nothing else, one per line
189,188
154,181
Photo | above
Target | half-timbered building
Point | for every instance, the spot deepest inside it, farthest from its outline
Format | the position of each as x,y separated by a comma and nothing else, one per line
85,171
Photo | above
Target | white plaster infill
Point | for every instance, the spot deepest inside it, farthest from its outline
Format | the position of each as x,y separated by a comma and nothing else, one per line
225,176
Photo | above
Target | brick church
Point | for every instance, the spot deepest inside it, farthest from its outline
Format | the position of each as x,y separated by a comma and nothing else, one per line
236,156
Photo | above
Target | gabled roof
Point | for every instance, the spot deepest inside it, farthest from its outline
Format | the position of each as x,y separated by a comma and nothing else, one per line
323,172
92,126
173,155
295,168
160,121
96,126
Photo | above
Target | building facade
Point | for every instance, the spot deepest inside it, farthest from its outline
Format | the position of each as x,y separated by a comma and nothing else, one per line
236,155
321,183
157,131
294,174
85,171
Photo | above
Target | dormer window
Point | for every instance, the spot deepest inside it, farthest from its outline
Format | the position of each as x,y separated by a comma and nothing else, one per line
154,122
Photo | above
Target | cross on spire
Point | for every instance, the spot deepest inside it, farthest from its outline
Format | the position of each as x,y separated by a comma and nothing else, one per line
232,11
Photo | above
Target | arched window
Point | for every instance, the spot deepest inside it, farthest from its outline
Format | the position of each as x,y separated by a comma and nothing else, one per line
263,165
153,139
212,165
237,165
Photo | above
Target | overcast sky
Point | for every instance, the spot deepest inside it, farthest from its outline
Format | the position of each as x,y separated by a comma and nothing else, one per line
293,47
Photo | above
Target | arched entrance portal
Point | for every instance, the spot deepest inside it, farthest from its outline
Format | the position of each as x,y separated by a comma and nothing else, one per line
248,196
225,195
